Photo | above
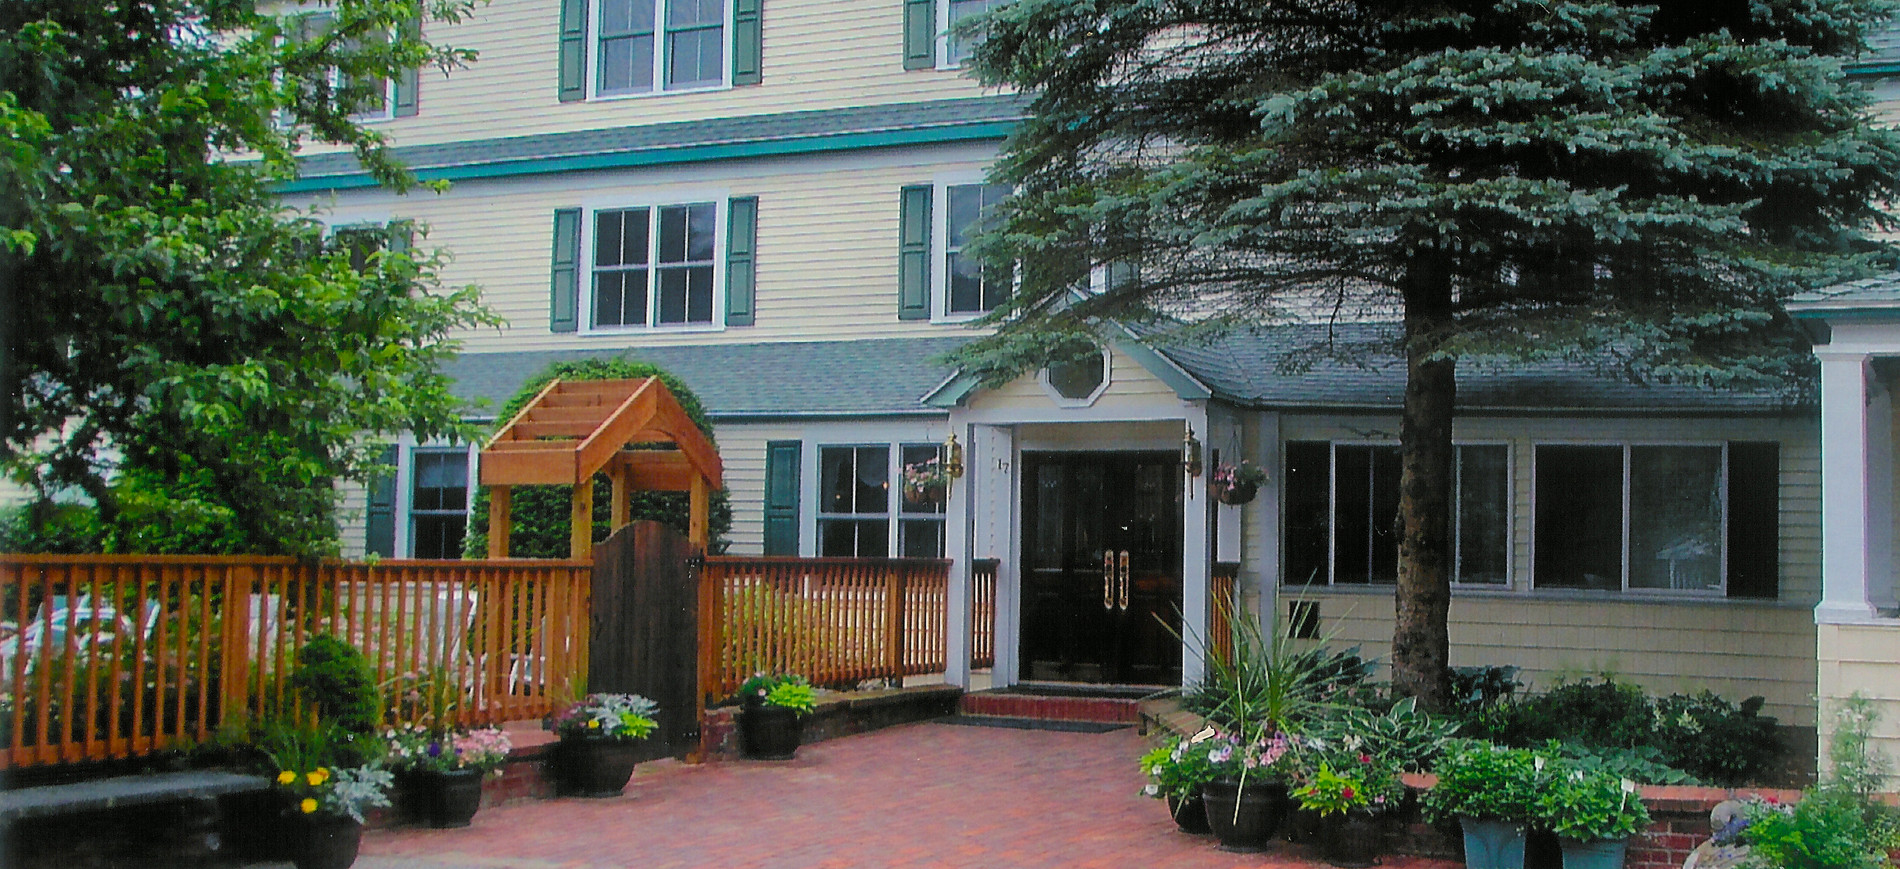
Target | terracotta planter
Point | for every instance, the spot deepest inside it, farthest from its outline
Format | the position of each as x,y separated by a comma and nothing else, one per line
769,732
1352,839
1189,813
450,798
1244,818
590,766
323,841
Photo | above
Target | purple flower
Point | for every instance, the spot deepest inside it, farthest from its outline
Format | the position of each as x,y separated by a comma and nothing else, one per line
435,749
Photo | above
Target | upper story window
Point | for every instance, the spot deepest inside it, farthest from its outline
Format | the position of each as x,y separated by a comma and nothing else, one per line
974,288
957,49
374,98
931,40
654,265
648,46
939,277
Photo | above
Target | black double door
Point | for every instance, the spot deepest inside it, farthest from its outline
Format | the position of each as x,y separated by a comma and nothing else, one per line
1101,573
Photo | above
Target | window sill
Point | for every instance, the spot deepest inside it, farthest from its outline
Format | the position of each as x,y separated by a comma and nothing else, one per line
669,92
1556,595
624,331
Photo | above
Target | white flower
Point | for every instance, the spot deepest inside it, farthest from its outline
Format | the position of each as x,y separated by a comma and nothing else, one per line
1151,790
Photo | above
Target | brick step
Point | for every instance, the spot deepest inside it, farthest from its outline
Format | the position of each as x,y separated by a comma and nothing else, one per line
1041,707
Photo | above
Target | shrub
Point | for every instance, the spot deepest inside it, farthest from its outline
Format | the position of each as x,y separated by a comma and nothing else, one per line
1713,739
1838,824
1591,805
1481,780
335,678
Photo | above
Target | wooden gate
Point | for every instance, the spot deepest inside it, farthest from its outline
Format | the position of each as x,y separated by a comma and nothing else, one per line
645,633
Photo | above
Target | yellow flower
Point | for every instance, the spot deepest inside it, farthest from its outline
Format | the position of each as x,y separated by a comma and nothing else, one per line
314,779
308,805
286,777
595,723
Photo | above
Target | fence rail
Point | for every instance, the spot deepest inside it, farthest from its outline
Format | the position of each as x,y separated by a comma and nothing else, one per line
835,620
120,656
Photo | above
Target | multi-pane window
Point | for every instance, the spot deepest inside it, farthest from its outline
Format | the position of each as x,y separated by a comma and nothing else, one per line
438,503
1614,517
643,46
653,266
1342,510
974,287
961,47
861,512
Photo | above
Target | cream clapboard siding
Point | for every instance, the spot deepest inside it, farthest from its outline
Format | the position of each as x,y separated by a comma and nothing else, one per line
827,241
1130,387
742,453
818,54
1736,648
1863,659
352,530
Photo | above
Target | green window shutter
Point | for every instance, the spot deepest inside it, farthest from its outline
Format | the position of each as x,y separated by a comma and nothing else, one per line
573,57
742,232
402,235
379,532
564,278
748,41
408,81
920,34
781,497
913,257
1754,520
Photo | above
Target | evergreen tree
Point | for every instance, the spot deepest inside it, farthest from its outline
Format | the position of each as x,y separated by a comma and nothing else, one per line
174,341
1633,184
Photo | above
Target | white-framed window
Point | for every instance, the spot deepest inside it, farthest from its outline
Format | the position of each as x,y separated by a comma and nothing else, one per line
439,501
1077,383
861,511
655,266
658,46
952,50
970,288
1632,517
380,105
1342,504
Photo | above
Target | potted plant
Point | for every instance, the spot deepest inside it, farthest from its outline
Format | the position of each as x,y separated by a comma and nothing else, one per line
1593,814
321,789
926,482
1493,792
771,705
1246,793
596,754
441,773
1351,795
1237,483
1176,775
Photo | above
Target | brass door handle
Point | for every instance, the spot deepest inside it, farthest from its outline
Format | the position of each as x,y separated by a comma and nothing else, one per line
1124,567
1108,579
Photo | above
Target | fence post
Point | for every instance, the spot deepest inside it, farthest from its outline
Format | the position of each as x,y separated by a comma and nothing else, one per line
234,650
894,592
712,629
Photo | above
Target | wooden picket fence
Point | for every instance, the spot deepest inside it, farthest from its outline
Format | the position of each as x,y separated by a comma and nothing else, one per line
838,621
983,613
121,656
1222,605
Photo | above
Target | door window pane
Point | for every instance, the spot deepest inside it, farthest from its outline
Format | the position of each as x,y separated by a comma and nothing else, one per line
1579,521
1676,518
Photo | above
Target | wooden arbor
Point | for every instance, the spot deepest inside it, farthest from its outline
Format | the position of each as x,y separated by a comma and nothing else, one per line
574,429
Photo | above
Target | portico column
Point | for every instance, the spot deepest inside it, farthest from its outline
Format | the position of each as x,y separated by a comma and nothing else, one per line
956,547
1848,467
1196,561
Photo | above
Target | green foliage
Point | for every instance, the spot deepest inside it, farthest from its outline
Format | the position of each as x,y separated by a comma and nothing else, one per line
541,513
1365,785
1174,770
1643,764
1271,683
318,768
624,717
795,694
165,317
1477,688
1702,735
1840,823
1485,781
334,677
1591,804
1404,736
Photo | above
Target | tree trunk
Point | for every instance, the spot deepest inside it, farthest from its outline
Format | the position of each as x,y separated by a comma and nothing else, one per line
1421,642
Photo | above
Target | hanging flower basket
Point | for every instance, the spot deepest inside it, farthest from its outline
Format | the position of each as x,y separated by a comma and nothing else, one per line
1236,483
925,494
1234,494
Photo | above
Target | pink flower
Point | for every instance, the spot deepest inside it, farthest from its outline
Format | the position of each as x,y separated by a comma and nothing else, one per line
1346,793
1365,758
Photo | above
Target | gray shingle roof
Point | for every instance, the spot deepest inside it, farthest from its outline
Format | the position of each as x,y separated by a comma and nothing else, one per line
1249,368
684,134
837,378
1876,292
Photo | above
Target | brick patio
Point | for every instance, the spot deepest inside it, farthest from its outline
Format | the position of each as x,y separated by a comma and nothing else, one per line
915,795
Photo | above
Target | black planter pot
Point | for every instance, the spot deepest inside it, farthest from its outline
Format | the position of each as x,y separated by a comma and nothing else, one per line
1301,825
769,732
590,766
409,799
323,841
450,798
1244,818
1352,839
1190,813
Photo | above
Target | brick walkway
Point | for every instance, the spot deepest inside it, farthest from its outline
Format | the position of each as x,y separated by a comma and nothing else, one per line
917,795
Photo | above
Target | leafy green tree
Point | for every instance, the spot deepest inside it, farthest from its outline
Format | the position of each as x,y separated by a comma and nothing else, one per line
540,514
1633,184
163,316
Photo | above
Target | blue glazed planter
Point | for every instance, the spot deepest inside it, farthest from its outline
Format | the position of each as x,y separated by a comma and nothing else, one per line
1494,844
1593,854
